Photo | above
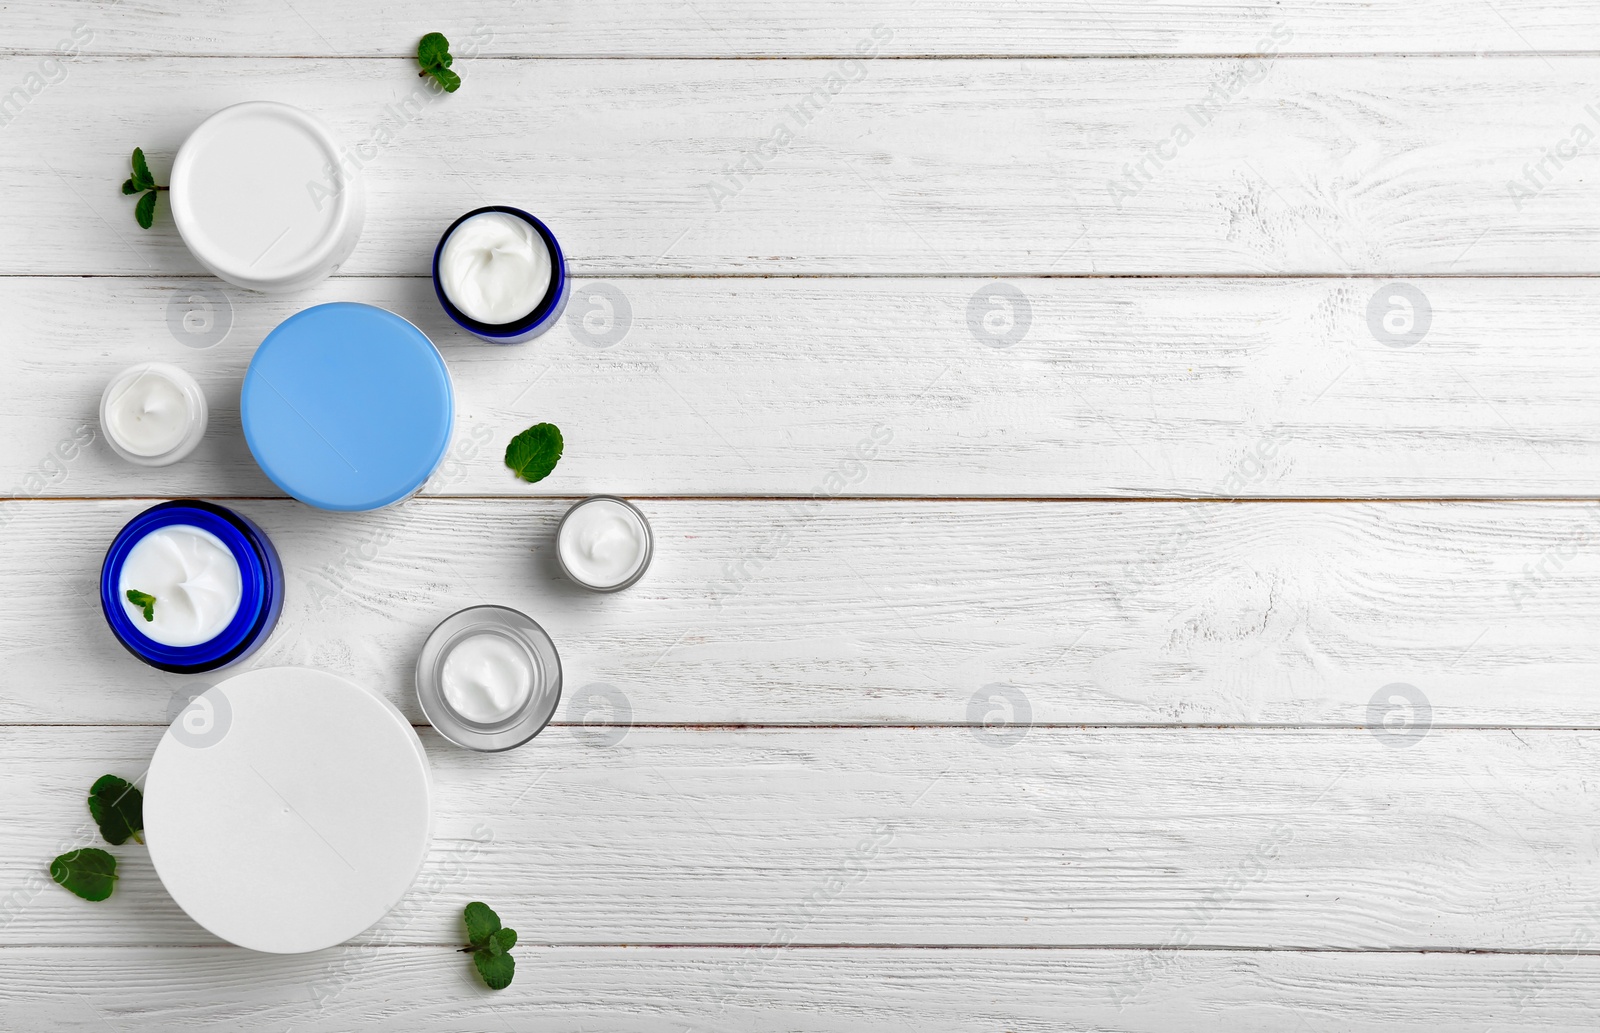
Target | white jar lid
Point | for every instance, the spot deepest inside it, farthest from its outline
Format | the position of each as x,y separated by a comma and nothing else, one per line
261,198
287,809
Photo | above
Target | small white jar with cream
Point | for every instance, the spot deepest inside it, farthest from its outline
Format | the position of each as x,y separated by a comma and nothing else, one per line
604,543
153,414
488,678
500,274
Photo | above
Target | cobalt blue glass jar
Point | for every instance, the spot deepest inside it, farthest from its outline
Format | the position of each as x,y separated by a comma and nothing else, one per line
500,274
189,586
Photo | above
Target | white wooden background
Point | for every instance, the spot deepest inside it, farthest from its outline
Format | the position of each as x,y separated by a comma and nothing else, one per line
1039,687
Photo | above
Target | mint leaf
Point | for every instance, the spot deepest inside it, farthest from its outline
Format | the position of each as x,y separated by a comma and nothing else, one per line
450,81
482,923
129,187
144,600
91,873
433,51
142,180
145,213
535,452
496,969
118,808
489,945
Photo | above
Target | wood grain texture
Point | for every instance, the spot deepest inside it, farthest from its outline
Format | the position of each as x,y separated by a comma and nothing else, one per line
1197,387
946,836
896,612
643,990
964,167
737,28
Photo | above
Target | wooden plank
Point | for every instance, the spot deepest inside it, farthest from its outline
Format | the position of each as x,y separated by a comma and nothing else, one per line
720,28
641,990
943,836
1007,166
899,613
866,386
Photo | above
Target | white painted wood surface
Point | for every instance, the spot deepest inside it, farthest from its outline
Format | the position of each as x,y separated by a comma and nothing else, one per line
822,990
1336,166
1072,750
1192,838
767,612
752,28
845,386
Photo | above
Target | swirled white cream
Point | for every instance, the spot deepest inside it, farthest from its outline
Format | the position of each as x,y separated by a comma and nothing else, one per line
486,678
146,412
602,542
195,581
495,268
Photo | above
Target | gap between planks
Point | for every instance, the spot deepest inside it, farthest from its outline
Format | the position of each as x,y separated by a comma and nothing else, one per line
1221,500
983,274
1323,55
1032,726
1041,947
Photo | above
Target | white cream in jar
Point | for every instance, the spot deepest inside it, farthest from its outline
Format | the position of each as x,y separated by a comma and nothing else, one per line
153,414
486,677
603,543
495,268
193,578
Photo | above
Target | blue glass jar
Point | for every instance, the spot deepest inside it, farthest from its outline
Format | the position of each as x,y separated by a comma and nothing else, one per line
260,576
543,315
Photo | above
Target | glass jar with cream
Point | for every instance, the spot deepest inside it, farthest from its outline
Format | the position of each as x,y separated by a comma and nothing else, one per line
188,586
153,414
500,274
604,543
489,678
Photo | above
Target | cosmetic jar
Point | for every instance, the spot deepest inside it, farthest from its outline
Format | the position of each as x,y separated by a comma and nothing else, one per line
286,809
347,407
604,543
489,678
213,579
262,198
500,274
153,414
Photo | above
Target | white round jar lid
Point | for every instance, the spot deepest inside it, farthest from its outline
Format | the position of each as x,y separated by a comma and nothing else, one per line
287,809
261,198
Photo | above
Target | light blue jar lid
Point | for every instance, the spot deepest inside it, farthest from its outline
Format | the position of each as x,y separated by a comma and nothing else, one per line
347,407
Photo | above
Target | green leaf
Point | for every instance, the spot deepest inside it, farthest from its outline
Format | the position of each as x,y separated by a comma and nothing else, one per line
450,81
496,969
118,808
129,187
91,873
144,600
535,452
142,179
433,51
482,922
145,213
503,940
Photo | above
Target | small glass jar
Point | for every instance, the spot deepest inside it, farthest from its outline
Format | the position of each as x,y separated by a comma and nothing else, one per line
543,311
577,548
500,639
260,577
127,401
